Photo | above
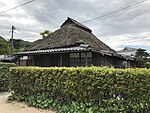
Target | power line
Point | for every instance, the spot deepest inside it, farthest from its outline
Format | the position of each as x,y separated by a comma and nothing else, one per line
119,10
134,10
17,6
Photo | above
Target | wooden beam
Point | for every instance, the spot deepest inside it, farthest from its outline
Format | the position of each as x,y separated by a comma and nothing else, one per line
86,59
33,61
60,60
19,61
27,61
80,58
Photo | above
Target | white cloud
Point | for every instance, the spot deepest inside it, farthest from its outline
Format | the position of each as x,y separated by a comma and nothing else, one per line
127,28
138,40
7,4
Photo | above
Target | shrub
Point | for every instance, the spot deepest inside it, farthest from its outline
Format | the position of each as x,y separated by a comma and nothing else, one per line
147,64
83,89
4,75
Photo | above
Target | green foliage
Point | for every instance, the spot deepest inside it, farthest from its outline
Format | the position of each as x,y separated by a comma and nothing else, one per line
83,89
46,33
4,46
147,64
19,45
4,75
141,53
143,58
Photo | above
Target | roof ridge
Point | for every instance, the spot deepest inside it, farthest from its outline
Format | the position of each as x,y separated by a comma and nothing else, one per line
77,24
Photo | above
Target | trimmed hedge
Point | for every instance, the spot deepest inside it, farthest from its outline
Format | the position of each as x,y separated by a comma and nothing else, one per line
83,89
4,75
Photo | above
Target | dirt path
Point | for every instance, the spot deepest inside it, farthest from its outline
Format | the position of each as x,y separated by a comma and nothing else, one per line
16,107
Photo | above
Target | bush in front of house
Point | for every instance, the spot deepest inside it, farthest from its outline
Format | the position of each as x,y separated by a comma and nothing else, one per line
147,64
83,89
4,75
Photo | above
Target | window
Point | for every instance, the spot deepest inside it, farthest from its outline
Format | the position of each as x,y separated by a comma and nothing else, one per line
89,57
79,59
74,59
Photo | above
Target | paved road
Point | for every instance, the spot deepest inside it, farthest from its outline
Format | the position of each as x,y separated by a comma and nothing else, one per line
16,107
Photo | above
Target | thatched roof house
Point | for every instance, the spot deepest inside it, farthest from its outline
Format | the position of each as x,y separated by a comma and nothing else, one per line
72,45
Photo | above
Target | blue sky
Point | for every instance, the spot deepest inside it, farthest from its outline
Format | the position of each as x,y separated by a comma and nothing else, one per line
129,28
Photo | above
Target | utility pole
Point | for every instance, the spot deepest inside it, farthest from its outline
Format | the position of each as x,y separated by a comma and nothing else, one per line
12,35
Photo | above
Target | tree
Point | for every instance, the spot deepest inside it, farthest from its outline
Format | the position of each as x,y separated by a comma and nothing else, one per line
142,58
4,46
19,45
46,33
141,53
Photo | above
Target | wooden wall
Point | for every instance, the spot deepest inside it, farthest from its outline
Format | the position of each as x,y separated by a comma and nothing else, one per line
64,59
47,60
99,59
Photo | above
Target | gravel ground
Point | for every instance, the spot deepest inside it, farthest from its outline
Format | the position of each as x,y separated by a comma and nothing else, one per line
17,107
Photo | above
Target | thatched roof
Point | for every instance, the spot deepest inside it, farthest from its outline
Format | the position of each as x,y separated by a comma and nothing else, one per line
70,34
71,21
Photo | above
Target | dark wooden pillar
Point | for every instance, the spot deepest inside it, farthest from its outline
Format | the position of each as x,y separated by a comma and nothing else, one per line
28,61
60,60
33,61
19,61
80,59
86,59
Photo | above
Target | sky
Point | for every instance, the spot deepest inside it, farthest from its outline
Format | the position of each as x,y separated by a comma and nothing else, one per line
127,28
